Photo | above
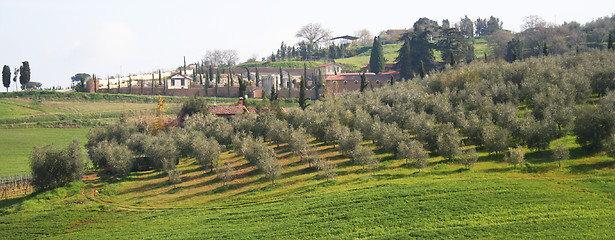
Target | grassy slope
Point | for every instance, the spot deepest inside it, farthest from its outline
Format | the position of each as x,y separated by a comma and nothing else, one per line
390,53
446,201
17,144
284,64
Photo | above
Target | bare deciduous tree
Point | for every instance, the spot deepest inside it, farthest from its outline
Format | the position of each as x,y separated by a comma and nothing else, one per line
314,33
365,37
221,57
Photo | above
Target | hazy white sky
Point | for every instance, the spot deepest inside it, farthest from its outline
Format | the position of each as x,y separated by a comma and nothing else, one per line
61,38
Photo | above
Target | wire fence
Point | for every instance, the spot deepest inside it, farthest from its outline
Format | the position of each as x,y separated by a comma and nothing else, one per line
15,185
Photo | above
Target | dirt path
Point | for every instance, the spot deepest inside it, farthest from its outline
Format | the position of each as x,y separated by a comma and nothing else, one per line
91,178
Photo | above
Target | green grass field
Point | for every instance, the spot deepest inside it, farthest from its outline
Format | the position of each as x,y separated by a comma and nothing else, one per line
16,145
390,53
491,200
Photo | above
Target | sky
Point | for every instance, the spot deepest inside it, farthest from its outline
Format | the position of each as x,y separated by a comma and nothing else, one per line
111,37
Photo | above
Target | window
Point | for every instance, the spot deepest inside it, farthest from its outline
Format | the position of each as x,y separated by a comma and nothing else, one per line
172,82
345,82
183,82
378,82
356,82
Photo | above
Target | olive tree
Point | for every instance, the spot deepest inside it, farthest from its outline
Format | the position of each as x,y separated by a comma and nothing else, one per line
364,156
515,156
560,152
411,150
448,142
52,167
225,172
468,158
206,151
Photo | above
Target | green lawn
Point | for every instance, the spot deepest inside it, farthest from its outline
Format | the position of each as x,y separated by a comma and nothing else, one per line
390,207
16,145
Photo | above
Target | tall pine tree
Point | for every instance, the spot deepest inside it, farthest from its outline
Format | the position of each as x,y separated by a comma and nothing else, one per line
610,44
376,59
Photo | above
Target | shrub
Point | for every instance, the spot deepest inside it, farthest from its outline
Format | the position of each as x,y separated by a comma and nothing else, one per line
52,167
192,106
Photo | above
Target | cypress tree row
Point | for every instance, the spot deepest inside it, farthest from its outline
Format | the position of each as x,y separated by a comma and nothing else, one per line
376,60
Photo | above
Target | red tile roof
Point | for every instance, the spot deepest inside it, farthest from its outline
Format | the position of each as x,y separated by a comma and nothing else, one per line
228,110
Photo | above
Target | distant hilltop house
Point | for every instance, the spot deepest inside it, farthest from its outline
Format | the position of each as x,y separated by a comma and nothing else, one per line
329,68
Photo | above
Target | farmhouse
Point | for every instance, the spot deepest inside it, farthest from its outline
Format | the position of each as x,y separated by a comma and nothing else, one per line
178,81
352,81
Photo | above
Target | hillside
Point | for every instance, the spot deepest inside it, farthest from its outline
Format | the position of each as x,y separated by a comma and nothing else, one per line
511,119
390,53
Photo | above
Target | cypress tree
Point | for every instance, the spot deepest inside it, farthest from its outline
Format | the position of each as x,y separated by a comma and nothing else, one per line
363,82
281,76
24,77
248,74
140,83
392,80
404,60
211,73
422,70
258,77
302,99
376,59
242,86
160,79
453,62
289,84
108,85
119,84
6,77
217,81
185,66
319,84
153,82
610,44
228,83
129,84
545,49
